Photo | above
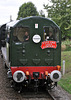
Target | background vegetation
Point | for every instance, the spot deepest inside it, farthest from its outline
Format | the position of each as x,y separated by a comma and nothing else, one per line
66,45
29,9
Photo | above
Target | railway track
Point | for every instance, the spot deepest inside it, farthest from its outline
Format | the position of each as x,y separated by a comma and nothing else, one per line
27,94
54,97
8,93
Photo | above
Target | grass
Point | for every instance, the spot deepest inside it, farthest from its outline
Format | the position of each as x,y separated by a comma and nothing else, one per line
65,81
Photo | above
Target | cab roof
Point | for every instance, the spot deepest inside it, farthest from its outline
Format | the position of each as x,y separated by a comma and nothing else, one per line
13,23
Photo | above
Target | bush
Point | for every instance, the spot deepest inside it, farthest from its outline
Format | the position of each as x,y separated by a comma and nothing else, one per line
63,47
66,45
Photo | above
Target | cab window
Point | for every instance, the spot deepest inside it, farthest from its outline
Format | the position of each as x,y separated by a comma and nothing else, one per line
21,34
50,33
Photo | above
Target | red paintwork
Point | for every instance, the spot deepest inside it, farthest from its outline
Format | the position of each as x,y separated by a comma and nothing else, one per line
48,44
32,69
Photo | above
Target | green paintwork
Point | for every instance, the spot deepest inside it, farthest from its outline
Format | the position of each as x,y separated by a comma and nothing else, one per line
34,55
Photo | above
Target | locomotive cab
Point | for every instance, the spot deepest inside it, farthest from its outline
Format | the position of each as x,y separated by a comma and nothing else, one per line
34,52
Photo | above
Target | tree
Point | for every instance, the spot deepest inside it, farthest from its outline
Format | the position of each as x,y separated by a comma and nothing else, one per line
60,12
41,13
27,9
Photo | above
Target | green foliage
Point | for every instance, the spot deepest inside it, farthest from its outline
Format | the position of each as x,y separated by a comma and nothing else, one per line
27,9
41,13
60,12
67,42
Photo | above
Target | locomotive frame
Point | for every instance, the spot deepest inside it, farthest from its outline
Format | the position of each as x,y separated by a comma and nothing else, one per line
32,55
